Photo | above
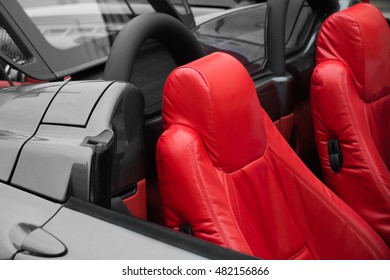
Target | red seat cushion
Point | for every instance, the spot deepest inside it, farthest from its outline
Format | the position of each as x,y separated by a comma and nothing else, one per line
225,170
350,101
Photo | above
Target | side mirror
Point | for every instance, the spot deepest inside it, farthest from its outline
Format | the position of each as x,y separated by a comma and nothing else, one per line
179,9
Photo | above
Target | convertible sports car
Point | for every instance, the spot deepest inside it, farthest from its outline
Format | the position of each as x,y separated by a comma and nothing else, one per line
106,155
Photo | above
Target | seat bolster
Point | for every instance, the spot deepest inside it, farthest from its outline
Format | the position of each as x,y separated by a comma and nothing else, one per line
185,174
331,228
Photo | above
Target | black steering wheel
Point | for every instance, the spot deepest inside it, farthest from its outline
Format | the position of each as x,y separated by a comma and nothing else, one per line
170,32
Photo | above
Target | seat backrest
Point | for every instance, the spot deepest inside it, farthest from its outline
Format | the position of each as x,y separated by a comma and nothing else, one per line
227,172
350,102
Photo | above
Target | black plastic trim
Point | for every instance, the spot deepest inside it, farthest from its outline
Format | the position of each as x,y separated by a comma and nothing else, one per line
182,241
275,36
127,192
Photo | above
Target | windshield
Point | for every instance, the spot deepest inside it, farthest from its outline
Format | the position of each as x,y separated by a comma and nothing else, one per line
66,24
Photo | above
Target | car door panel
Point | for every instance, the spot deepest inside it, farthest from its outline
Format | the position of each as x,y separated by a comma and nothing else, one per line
86,237
91,232
29,213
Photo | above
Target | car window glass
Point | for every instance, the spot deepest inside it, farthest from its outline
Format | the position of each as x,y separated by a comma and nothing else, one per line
240,34
298,15
66,24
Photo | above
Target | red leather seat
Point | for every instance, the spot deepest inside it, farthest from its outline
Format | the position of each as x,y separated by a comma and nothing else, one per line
350,102
225,170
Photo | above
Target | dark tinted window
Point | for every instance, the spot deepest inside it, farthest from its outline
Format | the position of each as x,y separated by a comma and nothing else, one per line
240,34
297,23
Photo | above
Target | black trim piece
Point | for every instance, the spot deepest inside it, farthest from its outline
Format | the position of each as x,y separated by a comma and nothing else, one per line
275,36
182,241
119,206
127,192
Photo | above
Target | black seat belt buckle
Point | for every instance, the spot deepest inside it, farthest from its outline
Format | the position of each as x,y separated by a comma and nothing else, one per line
335,156
186,229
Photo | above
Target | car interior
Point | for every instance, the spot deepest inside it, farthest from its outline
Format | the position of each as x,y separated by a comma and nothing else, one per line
268,143
228,176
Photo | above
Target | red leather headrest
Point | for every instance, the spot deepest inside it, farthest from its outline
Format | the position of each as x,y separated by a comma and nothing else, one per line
215,96
359,37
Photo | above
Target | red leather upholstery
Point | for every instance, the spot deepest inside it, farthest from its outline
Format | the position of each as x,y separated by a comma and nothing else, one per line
225,170
350,101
